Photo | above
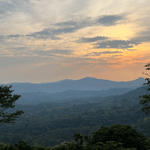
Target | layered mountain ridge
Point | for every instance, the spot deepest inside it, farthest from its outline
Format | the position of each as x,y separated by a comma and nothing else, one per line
84,84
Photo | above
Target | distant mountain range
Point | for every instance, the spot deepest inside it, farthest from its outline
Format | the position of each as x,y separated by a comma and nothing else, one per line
34,98
84,84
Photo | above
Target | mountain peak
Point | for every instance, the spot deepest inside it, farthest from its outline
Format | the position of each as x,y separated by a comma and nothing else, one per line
140,78
88,78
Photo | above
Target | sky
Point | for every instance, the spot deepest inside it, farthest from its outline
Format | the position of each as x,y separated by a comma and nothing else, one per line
51,40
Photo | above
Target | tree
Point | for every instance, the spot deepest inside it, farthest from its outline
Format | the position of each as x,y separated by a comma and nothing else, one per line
146,97
116,137
6,101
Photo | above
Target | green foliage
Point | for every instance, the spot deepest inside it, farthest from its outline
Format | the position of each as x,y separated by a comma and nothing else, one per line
6,101
55,124
117,137
121,133
146,97
52,130
23,146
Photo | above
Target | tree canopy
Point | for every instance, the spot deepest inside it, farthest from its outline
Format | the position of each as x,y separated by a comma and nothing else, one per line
6,101
116,137
146,97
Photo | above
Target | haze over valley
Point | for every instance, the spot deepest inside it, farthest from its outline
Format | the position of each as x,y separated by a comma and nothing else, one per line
32,94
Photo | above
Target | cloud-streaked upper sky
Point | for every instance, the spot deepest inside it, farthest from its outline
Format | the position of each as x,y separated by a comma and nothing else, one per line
51,40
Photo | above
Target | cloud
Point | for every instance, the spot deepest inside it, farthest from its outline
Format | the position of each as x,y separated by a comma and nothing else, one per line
1,37
45,34
24,51
73,26
19,49
53,52
14,6
50,33
110,20
6,7
88,40
143,36
67,23
15,36
120,44
105,52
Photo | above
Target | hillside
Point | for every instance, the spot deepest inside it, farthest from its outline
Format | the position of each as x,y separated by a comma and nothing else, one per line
50,124
85,84
34,98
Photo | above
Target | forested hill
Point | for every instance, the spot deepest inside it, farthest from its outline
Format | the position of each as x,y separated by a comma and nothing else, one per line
128,99
34,98
85,84
50,124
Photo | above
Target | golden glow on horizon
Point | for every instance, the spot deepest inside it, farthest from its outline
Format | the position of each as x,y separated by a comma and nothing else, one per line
118,32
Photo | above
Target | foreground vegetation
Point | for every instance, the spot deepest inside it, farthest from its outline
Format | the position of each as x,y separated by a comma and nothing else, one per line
118,137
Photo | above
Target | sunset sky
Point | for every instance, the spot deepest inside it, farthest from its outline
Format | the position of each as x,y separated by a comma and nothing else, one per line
50,40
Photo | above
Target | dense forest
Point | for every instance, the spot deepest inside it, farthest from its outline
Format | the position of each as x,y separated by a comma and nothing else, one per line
52,123
34,98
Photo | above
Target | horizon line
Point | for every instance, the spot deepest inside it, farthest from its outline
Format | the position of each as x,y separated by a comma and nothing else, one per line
69,79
